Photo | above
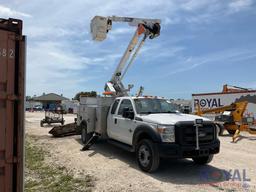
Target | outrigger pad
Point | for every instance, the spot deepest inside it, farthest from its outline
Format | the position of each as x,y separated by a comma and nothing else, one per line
64,130
91,141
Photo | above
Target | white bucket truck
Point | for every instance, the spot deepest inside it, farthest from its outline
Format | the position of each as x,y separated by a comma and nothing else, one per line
148,126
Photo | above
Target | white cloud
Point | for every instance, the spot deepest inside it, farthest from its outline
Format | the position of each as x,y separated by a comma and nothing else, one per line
55,67
122,30
155,52
170,21
55,55
60,45
238,5
228,56
251,85
195,5
207,11
39,32
7,12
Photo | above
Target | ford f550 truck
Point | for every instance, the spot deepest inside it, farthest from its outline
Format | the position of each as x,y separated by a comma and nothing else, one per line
148,126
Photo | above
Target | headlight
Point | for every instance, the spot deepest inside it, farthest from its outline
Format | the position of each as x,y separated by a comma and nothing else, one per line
167,132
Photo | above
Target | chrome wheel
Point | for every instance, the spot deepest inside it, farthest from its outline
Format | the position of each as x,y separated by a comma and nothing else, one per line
144,155
147,155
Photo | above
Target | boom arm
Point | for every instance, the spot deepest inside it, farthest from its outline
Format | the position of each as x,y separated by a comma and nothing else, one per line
148,27
231,88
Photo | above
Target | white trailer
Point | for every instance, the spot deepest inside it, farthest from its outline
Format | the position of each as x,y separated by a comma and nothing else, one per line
214,100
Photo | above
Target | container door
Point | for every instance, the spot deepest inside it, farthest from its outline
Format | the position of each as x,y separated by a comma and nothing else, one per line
12,59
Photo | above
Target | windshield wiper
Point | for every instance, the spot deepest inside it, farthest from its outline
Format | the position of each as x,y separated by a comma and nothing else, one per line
146,112
155,112
169,112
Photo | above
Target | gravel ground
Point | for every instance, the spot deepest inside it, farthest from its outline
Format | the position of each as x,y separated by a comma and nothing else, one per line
233,169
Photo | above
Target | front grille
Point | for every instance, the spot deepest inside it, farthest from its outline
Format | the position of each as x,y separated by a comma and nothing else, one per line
186,133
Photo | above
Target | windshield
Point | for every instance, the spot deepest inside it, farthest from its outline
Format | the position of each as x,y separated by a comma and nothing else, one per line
148,106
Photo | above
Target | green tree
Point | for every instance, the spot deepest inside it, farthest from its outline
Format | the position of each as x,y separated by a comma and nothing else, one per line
28,98
85,94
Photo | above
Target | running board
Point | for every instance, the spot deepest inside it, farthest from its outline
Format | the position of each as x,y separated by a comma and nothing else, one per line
121,145
91,141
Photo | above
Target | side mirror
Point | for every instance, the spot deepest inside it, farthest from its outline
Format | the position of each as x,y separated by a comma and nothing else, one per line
127,113
131,115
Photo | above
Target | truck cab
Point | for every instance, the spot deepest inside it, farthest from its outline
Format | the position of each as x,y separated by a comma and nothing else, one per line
151,127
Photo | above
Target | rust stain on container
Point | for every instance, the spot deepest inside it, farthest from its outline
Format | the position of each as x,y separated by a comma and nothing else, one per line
12,81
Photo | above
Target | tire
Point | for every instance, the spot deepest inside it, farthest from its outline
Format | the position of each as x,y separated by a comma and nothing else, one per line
220,129
84,135
203,160
147,156
41,123
231,132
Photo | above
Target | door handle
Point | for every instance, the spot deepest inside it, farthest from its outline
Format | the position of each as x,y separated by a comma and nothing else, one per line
115,121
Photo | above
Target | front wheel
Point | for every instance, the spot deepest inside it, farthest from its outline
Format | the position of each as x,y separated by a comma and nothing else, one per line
220,129
147,155
203,160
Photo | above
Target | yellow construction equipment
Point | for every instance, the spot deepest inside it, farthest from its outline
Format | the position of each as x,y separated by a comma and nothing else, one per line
233,89
232,118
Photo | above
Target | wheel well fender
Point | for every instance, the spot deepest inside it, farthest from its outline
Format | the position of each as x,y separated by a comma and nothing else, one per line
79,127
145,132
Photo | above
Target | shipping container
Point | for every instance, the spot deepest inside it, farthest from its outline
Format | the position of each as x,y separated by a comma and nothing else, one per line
12,78
214,100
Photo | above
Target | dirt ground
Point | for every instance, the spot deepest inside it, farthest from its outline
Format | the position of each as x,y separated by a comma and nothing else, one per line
233,169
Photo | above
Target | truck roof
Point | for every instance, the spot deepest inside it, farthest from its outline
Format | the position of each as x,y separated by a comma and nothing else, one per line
141,97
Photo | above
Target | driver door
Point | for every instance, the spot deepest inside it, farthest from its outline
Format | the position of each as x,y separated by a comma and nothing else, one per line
113,130
126,126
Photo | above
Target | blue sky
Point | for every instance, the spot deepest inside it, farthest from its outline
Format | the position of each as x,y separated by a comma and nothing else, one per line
203,45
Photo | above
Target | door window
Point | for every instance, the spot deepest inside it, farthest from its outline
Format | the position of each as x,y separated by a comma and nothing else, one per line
126,103
113,110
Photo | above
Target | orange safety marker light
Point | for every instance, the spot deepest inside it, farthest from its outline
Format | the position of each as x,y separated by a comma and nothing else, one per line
108,93
141,29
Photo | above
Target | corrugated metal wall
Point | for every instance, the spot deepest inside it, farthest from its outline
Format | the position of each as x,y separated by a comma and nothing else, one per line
12,78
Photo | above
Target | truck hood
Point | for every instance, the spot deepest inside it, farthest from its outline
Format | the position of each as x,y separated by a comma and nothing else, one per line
169,118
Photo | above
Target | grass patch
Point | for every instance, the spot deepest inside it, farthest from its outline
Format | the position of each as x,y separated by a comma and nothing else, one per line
40,176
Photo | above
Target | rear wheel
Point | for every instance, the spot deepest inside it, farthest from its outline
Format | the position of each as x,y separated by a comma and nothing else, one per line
147,155
84,135
203,160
